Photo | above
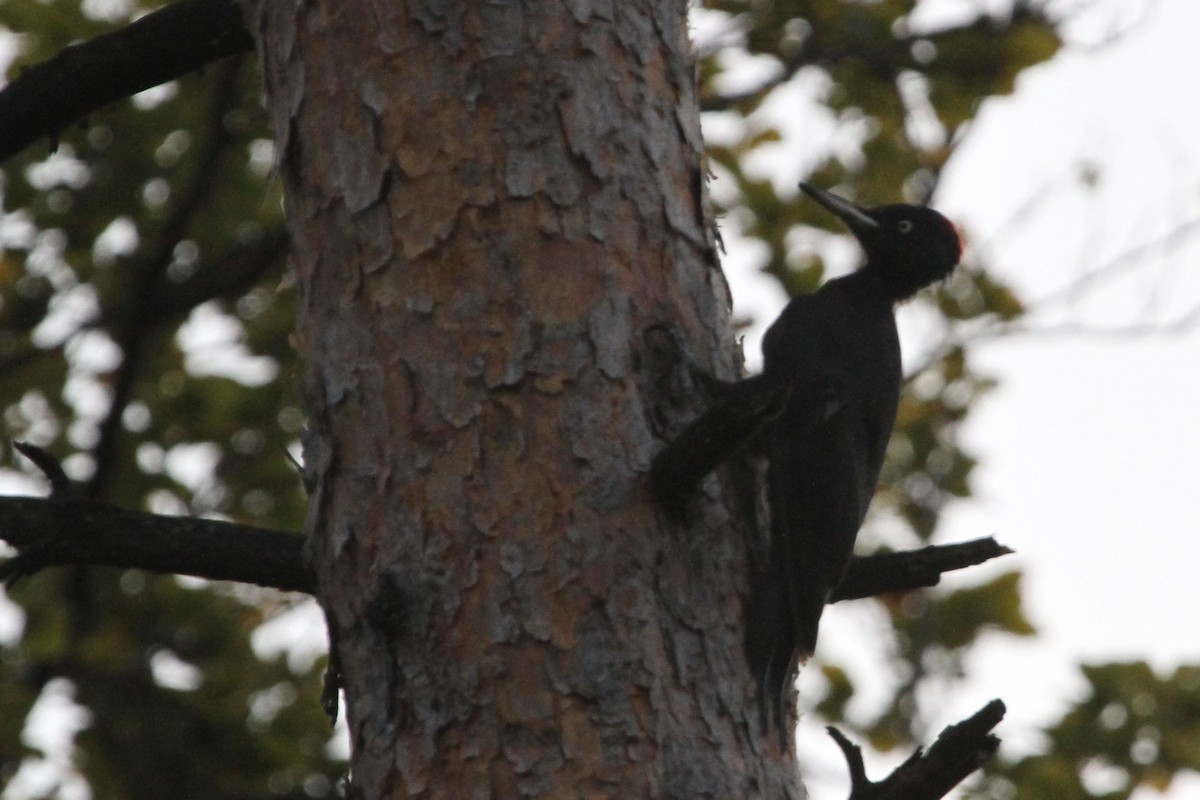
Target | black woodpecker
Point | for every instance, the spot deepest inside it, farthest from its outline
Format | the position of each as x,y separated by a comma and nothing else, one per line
839,352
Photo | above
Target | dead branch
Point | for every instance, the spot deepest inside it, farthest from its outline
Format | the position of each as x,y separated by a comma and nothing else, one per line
959,750
885,573
53,532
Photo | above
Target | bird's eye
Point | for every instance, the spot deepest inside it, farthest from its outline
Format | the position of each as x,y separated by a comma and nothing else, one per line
905,225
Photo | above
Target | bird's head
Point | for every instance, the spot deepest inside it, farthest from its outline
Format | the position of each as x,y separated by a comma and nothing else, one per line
907,247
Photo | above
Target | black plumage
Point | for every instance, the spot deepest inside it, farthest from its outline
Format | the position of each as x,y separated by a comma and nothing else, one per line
838,351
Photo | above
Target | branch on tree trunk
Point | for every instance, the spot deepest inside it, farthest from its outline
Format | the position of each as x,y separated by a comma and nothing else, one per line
161,46
60,484
61,531
869,576
56,532
958,751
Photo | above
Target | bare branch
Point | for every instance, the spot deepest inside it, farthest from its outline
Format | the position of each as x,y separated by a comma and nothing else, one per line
1126,260
959,750
57,532
53,533
869,576
226,274
60,484
159,47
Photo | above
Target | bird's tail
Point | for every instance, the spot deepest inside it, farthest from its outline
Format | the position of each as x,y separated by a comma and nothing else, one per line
806,604
781,630
770,651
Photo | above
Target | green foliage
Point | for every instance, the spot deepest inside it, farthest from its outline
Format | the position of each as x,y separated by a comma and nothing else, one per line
154,208
1133,729
955,620
839,692
152,737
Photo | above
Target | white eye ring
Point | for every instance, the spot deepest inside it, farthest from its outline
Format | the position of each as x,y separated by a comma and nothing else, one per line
905,226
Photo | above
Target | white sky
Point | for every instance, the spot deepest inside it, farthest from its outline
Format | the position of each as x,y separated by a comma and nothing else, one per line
1089,446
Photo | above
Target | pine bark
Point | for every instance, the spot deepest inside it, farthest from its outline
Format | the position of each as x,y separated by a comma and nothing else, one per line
506,277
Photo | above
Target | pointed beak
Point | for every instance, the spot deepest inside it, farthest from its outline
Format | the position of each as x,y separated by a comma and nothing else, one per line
855,218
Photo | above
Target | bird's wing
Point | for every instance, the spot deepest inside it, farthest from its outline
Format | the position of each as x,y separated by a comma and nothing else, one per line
804,348
819,460
816,507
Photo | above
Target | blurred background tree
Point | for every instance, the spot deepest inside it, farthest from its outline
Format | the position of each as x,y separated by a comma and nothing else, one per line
144,322
144,341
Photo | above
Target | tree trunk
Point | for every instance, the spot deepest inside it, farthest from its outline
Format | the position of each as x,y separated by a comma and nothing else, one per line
505,273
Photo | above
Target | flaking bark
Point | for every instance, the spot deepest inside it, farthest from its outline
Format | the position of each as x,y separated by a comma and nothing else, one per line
495,210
